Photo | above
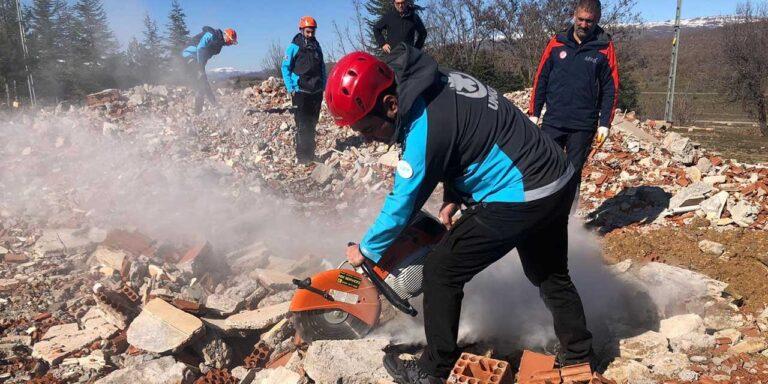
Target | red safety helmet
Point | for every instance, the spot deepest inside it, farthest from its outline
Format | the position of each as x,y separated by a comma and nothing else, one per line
230,36
307,22
354,85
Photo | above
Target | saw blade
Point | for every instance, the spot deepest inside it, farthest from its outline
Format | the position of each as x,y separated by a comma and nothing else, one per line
331,324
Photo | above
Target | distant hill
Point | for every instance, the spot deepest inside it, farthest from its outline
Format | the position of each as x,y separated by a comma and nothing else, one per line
225,73
667,28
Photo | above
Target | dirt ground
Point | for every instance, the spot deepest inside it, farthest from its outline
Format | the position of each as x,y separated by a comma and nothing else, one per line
737,142
744,265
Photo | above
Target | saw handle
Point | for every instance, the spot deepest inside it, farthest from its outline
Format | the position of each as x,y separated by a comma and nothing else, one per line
307,284
387,291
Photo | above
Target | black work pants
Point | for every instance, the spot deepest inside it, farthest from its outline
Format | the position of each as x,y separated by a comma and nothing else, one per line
199,83
576,143
483,235
306,115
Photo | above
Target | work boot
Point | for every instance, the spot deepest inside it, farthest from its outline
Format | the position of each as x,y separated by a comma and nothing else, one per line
408,371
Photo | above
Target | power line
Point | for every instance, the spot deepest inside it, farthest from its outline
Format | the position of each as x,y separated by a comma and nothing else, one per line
673,66
30,80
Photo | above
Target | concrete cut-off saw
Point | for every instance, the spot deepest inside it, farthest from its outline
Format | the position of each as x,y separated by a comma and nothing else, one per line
344,303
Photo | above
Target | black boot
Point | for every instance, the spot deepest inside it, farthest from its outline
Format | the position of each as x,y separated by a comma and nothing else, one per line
408,371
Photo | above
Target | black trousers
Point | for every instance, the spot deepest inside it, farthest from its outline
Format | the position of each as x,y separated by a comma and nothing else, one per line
199,83
576,143
483,235
306,115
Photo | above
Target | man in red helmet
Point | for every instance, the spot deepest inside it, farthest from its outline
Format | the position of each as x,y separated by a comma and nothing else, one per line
304,76
514,181
202,48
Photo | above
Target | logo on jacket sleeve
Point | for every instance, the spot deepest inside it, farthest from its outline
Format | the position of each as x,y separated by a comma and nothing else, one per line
404,169
563,55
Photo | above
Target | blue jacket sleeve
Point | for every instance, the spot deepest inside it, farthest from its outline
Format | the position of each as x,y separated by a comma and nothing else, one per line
290,79
414,182
203,54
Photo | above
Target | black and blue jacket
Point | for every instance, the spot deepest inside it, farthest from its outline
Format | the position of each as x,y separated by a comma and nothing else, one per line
304,67
458,131
579,83
206,45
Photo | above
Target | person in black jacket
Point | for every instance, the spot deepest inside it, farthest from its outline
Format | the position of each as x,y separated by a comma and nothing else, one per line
402,25
578,80
304,76
514,180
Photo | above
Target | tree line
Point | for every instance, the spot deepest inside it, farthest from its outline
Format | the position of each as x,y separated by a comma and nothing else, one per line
498,41
73,51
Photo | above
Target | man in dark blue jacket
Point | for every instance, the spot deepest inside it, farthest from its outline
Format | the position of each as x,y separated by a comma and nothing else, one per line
304,76
514,180
578,80
205,45
401,25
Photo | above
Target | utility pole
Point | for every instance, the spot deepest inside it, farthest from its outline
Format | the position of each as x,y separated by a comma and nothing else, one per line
673,66
30,80
7,95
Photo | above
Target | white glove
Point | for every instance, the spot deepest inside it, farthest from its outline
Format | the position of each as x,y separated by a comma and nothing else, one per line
534,119
602,135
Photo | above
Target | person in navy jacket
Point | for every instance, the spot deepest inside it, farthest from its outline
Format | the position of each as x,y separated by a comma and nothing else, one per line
578,81
203,47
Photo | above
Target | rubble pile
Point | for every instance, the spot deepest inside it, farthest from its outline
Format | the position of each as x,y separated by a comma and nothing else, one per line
83,300
645,174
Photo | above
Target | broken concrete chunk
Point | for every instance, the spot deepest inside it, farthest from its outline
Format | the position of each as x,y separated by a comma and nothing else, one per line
390,159
346,361
667,364
95,319
690,196
232,299
162,328
681,325
629,371
7,285
164,370
214,350
196,259
711,247
56,241
743,214
274,280
713,207
61,341
258,319
749,345
114,259
692,341
279,332
280,297
322,174
643,346
280,375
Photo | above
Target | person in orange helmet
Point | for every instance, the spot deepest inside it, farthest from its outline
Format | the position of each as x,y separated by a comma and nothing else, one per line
304,76
203,46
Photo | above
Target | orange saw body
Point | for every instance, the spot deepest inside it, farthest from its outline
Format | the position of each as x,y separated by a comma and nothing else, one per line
345,304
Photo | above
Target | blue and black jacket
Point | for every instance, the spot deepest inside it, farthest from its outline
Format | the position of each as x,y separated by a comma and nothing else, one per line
304,67
461,132
579,83
205,45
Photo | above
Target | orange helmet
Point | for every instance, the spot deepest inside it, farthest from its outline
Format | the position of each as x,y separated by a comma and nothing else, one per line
307,22
230,36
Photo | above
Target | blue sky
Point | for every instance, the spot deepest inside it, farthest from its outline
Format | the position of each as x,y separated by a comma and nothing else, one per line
259,22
